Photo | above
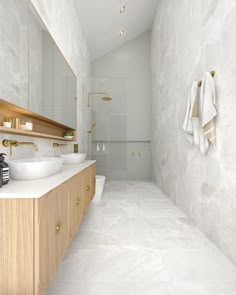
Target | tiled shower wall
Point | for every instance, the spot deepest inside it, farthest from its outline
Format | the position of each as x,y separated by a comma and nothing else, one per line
123,125
189,38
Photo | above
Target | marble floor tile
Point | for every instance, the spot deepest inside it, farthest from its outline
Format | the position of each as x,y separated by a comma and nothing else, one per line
82,288
137,242
113,265
199,265
204,288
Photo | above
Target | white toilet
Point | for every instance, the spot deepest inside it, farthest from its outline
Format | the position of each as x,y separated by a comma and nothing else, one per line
100,181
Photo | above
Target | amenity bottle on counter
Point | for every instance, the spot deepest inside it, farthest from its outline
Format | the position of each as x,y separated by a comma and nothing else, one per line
4,170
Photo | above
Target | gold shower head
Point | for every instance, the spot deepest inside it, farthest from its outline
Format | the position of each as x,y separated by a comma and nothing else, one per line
107,98
104,98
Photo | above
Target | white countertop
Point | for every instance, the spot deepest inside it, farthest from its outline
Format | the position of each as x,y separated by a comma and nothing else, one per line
17,189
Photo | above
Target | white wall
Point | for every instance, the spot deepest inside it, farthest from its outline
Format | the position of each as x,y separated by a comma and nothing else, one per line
62,22
189,38
132,62
125,74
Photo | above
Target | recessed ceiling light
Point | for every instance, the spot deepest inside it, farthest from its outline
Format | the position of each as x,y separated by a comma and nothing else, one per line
122,9
122,32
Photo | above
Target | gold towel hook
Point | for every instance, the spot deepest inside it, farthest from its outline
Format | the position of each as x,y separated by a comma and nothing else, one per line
212,74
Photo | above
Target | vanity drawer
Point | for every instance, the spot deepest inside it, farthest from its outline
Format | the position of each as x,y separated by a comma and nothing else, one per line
75,203
51,234
86,188
92,180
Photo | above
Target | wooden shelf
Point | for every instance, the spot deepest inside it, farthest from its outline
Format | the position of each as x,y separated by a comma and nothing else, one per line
32,134
42,126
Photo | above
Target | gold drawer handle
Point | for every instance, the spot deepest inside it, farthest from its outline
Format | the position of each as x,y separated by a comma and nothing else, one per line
58,227
87,188
94,179
77,202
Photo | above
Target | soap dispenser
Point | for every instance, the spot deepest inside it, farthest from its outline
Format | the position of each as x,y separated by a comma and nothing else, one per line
4,170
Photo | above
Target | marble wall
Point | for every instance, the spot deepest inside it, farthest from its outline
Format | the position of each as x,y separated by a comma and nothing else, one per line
62,22
189,38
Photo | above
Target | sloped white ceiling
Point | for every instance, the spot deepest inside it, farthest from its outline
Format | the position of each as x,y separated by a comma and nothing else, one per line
102,22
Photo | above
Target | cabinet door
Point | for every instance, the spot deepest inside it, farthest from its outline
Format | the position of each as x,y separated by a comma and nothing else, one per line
61,222
51,235
86,188
16,247
92,180
45,242
75,203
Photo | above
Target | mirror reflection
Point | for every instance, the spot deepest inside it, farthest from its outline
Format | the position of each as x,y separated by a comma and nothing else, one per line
52,84
34,74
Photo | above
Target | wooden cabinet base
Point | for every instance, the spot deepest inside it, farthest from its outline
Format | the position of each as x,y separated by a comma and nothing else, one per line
35,234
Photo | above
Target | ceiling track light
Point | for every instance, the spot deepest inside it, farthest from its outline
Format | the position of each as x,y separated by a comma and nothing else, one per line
122,9
122,32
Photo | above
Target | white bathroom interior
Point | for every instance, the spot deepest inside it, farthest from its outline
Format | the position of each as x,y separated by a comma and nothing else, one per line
130,84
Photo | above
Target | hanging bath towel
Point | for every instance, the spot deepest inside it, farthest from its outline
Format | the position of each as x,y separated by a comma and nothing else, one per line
191,123
208,110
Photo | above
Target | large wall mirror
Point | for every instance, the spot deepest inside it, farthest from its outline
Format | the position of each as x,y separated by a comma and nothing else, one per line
34,74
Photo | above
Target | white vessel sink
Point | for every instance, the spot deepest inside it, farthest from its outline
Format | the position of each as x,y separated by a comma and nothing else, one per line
34,168
73,158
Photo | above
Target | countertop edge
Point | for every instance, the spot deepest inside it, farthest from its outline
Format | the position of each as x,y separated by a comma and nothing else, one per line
34,189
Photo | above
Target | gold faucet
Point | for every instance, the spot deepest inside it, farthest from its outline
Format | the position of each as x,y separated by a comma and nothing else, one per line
55,144
11,143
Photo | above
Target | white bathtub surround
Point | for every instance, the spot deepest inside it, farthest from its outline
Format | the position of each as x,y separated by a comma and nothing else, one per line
188,39
136,242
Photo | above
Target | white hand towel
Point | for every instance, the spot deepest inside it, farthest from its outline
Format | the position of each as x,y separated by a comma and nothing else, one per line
188,125
191,122
208,110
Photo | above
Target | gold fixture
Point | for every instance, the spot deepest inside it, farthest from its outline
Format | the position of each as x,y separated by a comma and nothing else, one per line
91,129
87,188
76,148
122,9
58,227
104,98
11,143
122,32
212,74
55,144
77,202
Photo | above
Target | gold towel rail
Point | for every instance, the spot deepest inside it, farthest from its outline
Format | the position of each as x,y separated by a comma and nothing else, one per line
212,74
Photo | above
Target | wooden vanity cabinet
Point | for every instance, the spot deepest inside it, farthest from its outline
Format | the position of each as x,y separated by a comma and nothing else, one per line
51,234
35,234
92,181
76,203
